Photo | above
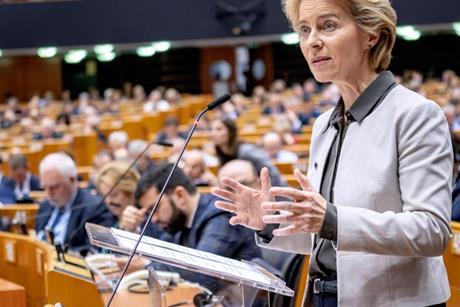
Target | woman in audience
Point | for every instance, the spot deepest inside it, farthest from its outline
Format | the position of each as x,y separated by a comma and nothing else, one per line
121,196
375,208
138,94
156,102
224,135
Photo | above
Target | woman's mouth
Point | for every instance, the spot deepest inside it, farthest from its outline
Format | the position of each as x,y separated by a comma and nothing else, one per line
320,60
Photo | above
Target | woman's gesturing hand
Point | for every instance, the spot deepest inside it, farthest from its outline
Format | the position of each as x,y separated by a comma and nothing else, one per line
245,202
304,214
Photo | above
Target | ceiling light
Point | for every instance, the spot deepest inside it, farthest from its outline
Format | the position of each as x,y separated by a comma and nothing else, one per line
290,38
75,56
162,46
456,26
102,49
47,52
106,57
408,33
145,51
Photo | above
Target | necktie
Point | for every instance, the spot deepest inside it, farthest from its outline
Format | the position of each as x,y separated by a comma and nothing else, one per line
58,218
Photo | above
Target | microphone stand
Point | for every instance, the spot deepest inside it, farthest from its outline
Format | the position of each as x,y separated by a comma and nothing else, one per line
211,106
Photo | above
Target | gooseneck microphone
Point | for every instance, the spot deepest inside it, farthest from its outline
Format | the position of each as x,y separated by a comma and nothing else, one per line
210,107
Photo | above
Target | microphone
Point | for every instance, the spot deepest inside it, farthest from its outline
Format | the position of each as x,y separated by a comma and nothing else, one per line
210,106
218,102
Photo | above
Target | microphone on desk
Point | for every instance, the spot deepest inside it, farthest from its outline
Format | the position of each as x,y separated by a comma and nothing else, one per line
209,107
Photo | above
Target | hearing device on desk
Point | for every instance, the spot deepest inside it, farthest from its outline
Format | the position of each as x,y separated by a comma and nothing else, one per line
138,281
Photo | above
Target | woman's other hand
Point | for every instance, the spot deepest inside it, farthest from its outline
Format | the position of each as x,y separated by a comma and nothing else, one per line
305,213
245,202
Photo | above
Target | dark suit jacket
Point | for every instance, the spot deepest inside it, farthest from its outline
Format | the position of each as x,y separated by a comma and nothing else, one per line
34,184
6,194
211,232
85,208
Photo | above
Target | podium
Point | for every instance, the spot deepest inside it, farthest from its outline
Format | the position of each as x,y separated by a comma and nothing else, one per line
242,274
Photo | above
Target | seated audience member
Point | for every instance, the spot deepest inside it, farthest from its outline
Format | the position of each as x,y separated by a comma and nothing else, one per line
297,91
274,105
123,194
84,105
278,86
8,118
47,130
242,171
195,167
258,96
189,218
138,94
156,102
6,194
118,143
91,125
283,125
145,163
171,131
102,158
67,207
21,181
228,147
173,96
273,144
310,88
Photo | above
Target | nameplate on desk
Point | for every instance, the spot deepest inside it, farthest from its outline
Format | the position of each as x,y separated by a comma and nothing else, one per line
10,251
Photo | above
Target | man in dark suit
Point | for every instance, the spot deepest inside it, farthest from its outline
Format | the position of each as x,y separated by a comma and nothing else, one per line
6,194
189,218
67,207
21,181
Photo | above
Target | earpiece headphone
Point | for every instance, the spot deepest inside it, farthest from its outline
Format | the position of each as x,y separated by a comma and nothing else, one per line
203,299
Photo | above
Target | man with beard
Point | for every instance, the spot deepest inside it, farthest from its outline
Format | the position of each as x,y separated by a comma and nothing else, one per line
188,218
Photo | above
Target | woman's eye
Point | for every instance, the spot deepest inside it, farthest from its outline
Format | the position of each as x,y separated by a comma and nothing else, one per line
329,26
304,30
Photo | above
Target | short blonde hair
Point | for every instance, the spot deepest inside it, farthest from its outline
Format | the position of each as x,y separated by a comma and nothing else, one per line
112,171
371,16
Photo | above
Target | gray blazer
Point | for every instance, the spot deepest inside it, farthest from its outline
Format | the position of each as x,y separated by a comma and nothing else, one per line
393,198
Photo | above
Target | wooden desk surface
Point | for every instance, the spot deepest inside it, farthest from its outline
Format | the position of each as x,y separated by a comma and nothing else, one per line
178,294
11,294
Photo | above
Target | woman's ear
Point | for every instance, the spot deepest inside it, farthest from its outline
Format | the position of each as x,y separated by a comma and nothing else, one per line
373,39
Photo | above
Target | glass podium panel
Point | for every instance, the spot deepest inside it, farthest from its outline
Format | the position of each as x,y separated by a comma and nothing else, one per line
237,283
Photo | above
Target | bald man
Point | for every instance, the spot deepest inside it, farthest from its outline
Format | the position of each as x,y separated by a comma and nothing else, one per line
242,171
195,168
273,144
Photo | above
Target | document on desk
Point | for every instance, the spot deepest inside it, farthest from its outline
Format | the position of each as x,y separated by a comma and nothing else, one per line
191,259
